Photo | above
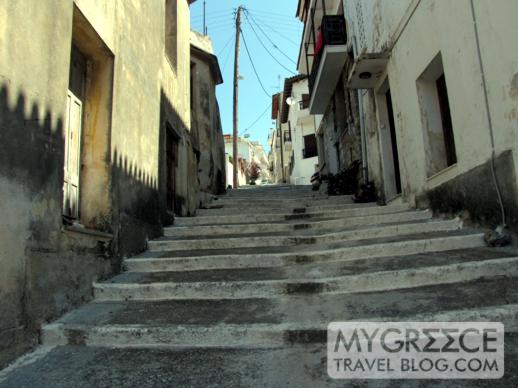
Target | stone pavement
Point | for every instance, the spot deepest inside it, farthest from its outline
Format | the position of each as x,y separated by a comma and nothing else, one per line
242,295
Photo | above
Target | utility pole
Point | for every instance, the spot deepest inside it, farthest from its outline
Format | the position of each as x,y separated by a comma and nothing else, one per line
236,95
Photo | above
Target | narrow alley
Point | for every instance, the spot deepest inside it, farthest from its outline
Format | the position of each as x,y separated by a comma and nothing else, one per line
242,193
242,294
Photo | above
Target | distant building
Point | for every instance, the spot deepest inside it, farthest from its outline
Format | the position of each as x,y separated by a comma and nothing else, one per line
248,151
206,120
303,157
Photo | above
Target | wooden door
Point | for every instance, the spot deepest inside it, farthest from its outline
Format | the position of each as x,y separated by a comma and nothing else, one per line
72,156
73,129
171,165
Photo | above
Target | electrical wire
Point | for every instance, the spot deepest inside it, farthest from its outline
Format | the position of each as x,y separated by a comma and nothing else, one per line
281,35
229,51
489,116
225,46
267,37
296,25
253,66
257,120
268,51
273,14
213,14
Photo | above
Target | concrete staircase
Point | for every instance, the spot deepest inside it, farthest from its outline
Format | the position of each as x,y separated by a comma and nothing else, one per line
242,294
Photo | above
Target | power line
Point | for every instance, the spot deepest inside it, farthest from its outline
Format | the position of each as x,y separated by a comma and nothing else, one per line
273,14
268,51
226,59
214,14
267,37
279,25
220,29
281,35
253,66
221,22
225,46
257,120
295,24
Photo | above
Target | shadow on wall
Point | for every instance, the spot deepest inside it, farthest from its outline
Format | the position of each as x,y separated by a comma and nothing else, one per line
31,179
178,180
135,208
474,193
31,144
46,270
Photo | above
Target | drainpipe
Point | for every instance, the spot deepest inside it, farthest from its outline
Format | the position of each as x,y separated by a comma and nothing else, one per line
365,164
489,117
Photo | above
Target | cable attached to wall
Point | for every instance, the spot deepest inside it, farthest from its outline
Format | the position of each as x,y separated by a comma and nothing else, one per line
489,118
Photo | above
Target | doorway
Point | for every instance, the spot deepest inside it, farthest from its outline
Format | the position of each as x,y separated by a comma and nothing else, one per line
73,132
172,142
388,143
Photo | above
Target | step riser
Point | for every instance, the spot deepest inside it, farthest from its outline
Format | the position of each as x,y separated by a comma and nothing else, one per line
267,201
249,219
378,281
276,260
235,336
281,199
188,231
251,242
253,209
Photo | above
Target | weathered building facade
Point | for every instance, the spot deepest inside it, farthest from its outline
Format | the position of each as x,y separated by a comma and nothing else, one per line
303,154
440,98
280,146
326,58
205,116
96,147
427,92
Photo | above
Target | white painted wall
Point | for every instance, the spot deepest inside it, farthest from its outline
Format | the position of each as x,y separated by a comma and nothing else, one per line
446,27
302,123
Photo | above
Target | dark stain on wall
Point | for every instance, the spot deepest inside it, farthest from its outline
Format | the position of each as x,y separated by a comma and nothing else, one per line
475,193
53,269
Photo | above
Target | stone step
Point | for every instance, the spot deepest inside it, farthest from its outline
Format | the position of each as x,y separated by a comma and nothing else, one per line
269,200
276,321
321,269
291,365
252,208
365,282
235,259
274,241
254,218
278,195
273,228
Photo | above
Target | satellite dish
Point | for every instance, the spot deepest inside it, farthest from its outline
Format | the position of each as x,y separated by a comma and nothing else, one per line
290,101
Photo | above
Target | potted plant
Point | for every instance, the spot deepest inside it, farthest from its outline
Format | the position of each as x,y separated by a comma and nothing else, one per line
254,171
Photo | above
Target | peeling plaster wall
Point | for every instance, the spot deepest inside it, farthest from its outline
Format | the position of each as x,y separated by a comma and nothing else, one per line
175,111
45,269
211,168
446,27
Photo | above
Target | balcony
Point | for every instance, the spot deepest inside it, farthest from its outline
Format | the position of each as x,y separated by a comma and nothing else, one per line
368,71
327,55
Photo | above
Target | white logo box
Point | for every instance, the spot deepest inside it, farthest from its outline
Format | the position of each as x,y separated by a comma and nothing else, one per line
415,350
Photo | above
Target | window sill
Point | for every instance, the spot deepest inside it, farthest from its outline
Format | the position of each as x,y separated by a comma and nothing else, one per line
89,232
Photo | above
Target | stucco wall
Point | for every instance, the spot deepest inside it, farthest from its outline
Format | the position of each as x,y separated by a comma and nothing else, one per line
302,124
211,168
46,270
447,28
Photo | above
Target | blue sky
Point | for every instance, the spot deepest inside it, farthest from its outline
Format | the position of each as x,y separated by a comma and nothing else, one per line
275,23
